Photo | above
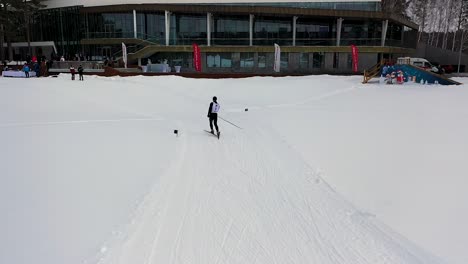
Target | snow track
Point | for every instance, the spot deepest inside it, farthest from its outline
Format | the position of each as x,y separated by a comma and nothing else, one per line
95,161
249,199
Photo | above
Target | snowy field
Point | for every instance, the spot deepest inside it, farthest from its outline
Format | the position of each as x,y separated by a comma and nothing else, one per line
322,170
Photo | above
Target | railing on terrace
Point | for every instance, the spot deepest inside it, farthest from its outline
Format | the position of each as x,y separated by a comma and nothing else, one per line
184,39
115,34
129,35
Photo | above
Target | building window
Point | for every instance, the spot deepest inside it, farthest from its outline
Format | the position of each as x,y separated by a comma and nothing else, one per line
315,32
183,59
270,30
336,60
187,29
317,60
230,30
350,61
218,60
246,59
262,60
304,60
284,61
152,27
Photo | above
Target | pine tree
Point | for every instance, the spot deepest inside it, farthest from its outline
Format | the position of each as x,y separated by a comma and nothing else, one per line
8,20
28,8
12,14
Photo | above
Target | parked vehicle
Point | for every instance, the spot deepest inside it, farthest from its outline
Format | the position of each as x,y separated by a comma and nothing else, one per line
420,62
449,68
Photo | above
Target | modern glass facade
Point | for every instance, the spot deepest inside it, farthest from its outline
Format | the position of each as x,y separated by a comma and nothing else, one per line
219,60
230,30
394,35
97,33
109,25
315,32
151,27
67,26
187,29
63,26
318,60
362,33
247,60
271,30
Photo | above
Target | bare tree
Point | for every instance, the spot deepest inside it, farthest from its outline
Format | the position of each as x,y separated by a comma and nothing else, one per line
448,22
463,25
462,19
397,7
418,10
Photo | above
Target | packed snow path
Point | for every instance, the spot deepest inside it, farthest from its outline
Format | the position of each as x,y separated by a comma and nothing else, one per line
93,166
249,198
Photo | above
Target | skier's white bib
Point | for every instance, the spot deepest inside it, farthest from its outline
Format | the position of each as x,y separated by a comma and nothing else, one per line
215,108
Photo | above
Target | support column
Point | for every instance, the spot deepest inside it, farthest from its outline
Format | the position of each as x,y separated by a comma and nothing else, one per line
62,44
87,26
384,31
208,29
167,15
251,24
339,23
294,30
135,33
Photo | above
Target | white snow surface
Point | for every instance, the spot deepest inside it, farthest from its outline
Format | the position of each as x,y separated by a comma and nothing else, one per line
323,169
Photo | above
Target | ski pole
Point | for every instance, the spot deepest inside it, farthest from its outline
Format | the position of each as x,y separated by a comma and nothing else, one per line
230,122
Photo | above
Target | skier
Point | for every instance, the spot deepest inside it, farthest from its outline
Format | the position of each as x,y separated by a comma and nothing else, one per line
213,115
80,72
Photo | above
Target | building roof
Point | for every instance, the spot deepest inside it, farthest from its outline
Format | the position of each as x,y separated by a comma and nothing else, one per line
86,3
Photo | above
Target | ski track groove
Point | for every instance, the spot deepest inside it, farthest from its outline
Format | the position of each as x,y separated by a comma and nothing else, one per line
225,201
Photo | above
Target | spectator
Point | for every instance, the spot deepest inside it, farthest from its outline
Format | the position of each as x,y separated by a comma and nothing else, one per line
26,70
37,69
385,70
73,72
80,72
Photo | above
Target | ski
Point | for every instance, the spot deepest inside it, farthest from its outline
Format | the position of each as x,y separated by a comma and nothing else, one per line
209,132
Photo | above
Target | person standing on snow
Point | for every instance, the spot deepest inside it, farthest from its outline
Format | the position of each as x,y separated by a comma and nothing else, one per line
73,72
26,70
213,115
80,72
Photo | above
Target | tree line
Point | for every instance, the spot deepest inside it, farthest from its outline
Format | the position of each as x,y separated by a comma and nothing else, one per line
442,24
15,20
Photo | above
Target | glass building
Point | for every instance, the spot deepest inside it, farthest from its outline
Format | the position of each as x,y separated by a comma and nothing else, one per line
314,36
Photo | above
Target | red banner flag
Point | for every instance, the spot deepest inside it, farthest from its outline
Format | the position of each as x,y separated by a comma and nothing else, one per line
355,54
196,57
